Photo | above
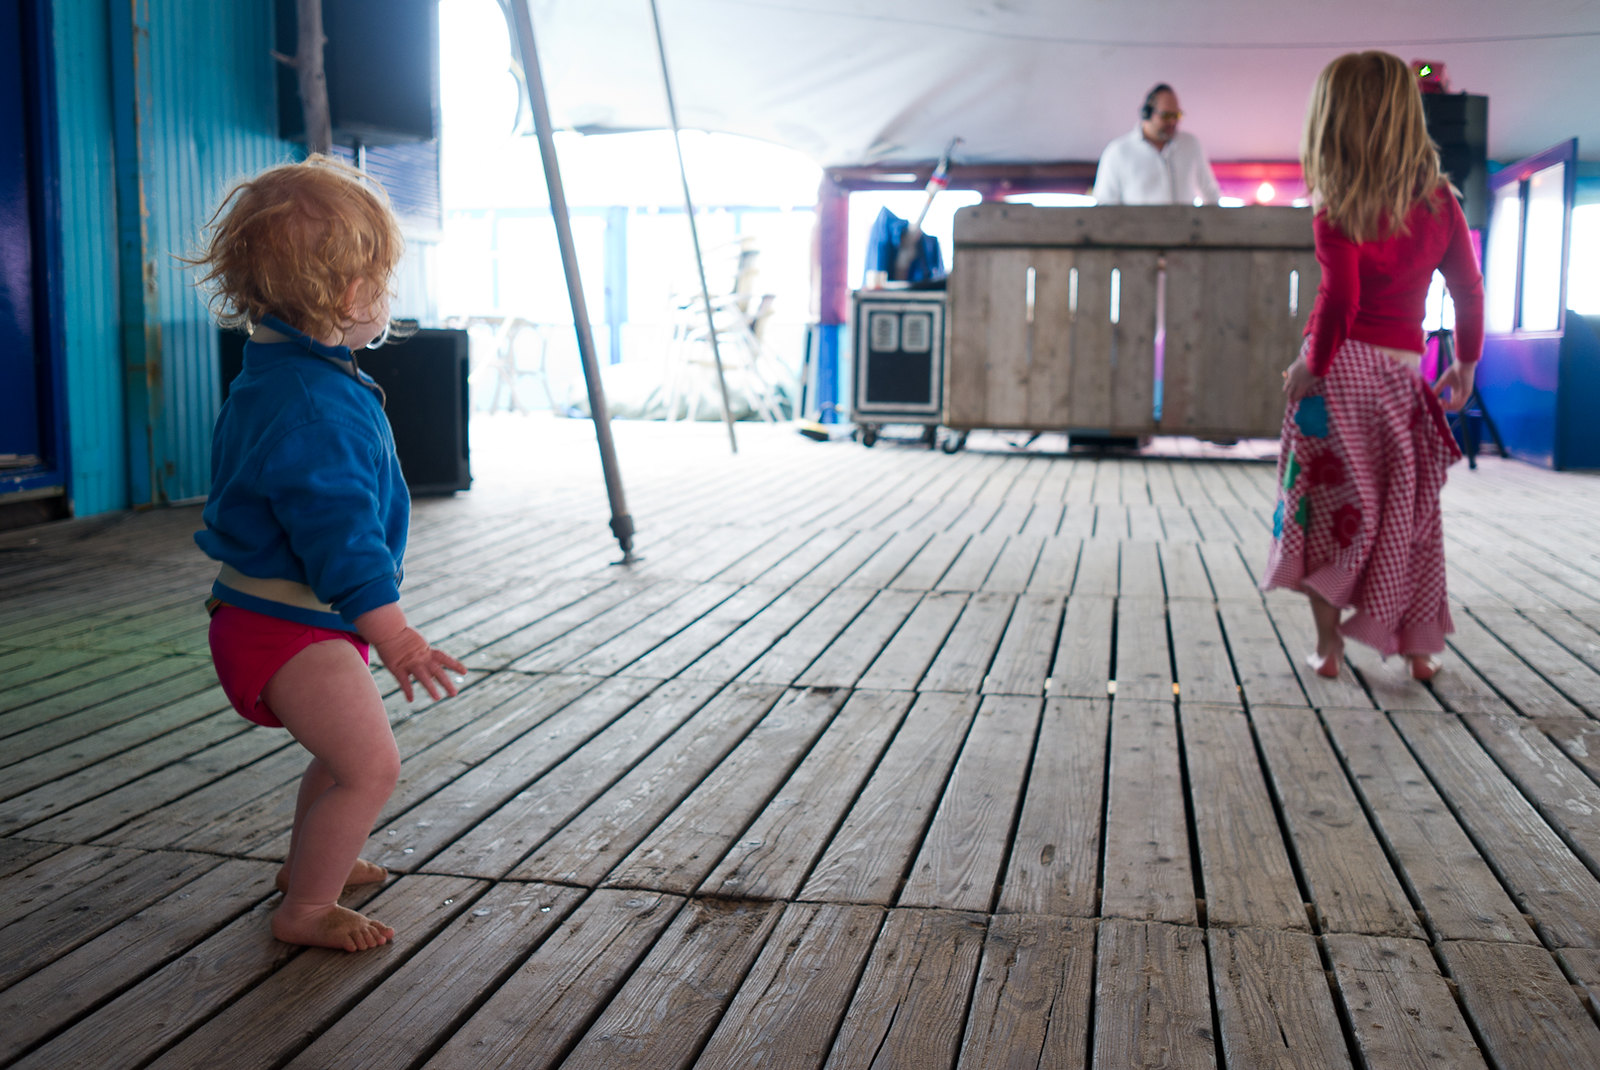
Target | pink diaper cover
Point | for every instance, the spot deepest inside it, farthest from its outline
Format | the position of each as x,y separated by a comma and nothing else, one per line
248,647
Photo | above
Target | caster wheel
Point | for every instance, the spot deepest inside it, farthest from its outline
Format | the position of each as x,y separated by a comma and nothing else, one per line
954,442
869,436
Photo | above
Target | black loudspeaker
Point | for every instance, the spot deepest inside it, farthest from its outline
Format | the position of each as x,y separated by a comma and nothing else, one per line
1459,125
424,380
382,64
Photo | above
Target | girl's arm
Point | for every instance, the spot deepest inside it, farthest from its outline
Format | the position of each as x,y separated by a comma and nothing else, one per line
406,654
1338,294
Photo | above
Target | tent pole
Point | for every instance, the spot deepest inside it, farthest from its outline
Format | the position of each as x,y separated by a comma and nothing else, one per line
621,521
694,233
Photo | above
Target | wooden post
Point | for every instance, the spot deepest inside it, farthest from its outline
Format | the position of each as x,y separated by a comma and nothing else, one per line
313,78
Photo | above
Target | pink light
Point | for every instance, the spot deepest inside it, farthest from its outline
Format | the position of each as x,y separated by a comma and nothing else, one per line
1265,193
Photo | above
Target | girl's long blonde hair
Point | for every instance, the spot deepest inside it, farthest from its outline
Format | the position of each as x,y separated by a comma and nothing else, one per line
1365,152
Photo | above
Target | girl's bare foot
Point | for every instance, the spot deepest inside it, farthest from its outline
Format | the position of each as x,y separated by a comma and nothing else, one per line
1424,666
331,926
1325,661
363,872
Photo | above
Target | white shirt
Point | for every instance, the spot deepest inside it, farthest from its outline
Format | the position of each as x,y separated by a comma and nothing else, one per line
1133,171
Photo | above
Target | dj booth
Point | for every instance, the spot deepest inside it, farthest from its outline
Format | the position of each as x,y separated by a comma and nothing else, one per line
1127,321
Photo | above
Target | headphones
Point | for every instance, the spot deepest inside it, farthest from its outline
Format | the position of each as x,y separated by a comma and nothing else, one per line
1149,108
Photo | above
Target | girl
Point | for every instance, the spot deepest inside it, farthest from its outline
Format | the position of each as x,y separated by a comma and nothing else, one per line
1365,445
307,516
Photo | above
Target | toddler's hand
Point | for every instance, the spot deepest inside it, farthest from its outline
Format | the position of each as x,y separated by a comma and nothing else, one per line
408,656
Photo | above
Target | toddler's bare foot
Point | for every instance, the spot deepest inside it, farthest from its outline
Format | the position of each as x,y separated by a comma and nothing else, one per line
363,872
334,926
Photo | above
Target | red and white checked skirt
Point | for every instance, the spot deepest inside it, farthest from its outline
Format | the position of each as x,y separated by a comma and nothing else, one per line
1360,467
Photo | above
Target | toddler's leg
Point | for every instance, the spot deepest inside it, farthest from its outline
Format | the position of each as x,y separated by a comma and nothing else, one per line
315,781
328,700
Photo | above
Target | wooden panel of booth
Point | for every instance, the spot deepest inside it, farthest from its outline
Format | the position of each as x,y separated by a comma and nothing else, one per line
1056,314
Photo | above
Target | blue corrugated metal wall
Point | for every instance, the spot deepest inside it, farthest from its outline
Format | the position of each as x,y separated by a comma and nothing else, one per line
213,119
96,434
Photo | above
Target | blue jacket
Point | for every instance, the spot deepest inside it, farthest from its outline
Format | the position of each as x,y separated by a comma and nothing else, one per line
308,510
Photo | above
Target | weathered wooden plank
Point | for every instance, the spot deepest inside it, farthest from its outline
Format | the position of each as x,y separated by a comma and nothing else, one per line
1454,888
1567,799
1013,568
1147,874
776,852
1352,885
1022,664
286,1010
73,982
1273,1004
18,855
932,561
680,851
1550,883
1166,227
869,855
914,647
1152,1000
1204,669
1243,860
1400,1009
1578,738
1522,1007
1054,866
963,661
1082,666
882,567
800,646
1030,1007
546,1004
71,916
678,651
1266,676
64,777
613,622
860,643
1569,677
639,640
1057,568
965,845
967,572
422,1001
1144,661
668,1008
1053,337
588,846
553,615
749,641
848,559
909,1003
1507,673
188,990
1183,570
612,725
786,1014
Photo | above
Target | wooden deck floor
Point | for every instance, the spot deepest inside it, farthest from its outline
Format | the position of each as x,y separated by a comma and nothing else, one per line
878,758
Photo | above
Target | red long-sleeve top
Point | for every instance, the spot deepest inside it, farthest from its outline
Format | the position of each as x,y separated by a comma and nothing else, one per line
1375,291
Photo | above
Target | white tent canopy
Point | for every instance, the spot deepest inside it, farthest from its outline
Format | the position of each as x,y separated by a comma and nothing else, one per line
863,81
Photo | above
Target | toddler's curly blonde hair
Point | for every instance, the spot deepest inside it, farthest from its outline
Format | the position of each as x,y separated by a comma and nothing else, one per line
290,241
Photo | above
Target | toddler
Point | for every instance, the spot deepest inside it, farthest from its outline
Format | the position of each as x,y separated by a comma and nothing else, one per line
307,517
